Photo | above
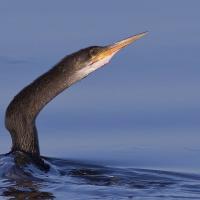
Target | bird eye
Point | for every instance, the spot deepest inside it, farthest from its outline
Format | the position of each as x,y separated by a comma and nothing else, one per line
93,51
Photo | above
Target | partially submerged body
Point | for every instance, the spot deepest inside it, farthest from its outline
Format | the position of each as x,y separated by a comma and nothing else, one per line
23,110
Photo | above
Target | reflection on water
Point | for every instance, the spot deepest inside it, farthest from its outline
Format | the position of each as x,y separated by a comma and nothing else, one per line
79,180
24,190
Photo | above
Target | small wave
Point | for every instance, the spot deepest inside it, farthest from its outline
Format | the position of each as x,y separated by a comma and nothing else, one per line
78,180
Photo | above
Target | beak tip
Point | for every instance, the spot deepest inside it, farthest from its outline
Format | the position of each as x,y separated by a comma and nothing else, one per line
142,34
114,48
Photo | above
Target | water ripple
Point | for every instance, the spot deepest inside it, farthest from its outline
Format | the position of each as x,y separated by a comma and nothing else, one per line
78,180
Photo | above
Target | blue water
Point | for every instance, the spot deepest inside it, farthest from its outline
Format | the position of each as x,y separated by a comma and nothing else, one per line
142,163
130,130
134,141
69,179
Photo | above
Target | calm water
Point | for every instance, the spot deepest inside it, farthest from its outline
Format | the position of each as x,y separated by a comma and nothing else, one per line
129,131
81,180
147,164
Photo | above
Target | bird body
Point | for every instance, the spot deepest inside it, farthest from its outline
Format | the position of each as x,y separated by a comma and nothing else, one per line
21,114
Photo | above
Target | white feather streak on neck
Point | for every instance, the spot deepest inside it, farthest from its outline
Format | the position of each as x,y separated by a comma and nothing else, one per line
94,66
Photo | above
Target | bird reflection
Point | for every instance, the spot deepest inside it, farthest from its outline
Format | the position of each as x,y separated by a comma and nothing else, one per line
26,190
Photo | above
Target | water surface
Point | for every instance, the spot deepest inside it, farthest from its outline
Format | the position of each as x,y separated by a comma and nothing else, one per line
137,119
81,180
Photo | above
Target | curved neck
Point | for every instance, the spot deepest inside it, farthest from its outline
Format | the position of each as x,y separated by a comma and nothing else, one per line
24,108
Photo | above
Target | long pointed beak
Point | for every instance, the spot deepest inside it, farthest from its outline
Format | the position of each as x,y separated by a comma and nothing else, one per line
109,51
114,48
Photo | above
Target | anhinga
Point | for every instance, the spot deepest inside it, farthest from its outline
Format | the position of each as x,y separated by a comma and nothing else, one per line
24,108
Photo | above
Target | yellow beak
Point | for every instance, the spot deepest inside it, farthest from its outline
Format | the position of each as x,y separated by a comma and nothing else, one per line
107,52
123,43
112,49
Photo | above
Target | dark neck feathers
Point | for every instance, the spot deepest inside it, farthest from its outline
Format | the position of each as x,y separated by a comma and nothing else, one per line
24,108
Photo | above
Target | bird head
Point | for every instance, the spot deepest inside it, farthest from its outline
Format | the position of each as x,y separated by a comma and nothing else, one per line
92,58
